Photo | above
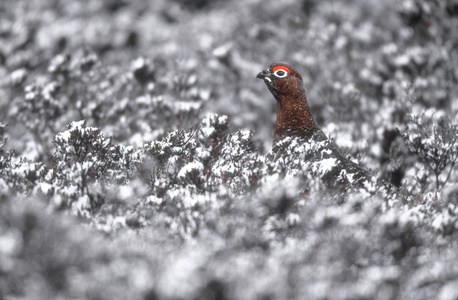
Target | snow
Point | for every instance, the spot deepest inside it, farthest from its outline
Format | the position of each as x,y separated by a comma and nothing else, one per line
154,199
45,187
326,165
223,50
69,190
390,49
244,135
21,169
402,60
226,169
349,89
112,223
348,176
75,125
18,75
138,63
187,106
144,99
83,203
202,216
189,168
449,291
203,153
223,119
208,131
126,192
293,219
49,89
437,222
389,273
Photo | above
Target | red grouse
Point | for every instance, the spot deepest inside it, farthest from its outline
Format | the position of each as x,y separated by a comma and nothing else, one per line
294,119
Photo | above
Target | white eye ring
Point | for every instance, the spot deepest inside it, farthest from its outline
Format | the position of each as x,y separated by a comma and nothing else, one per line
281,73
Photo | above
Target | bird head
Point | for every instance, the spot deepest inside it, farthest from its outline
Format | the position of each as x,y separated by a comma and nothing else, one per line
281,79
294,117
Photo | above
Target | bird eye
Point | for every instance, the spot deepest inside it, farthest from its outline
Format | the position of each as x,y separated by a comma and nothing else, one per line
280,73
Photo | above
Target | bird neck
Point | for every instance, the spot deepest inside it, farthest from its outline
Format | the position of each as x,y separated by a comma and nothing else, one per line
294,117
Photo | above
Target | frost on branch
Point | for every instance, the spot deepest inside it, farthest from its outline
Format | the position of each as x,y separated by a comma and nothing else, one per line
435,142
85,162
5,156
18,175
317,158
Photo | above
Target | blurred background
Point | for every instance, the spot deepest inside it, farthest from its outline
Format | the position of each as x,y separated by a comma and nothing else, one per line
62,61
151,218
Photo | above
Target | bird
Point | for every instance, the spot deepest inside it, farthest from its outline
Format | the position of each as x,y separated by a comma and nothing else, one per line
295,119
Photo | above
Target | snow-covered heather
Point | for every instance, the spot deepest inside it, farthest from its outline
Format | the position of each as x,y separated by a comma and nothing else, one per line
136,161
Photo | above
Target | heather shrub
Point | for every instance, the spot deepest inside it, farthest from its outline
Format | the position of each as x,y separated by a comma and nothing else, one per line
136,156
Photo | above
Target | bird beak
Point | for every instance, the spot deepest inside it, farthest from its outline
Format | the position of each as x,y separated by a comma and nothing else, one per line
264,74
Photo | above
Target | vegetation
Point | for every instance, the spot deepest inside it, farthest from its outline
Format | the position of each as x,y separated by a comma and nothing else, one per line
135,156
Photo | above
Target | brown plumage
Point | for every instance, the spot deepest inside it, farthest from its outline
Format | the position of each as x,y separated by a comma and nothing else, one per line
294,118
